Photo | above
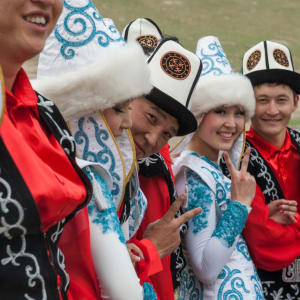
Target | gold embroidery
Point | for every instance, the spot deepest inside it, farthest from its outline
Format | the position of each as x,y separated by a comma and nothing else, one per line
253,60
281,58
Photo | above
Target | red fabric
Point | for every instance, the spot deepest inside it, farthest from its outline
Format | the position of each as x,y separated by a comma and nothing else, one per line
75,244
157,193
274,246
53,182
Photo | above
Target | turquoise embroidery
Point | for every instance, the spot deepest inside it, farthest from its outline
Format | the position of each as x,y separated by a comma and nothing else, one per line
242,248
135,218
87,19
199,194
231,224
236,284
188,285
257,286
210,61
107,218
149,293
104,156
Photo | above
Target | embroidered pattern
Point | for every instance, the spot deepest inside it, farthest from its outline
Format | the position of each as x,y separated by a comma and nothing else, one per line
149,293
104,156
175,65
211,59
253,60
242,248
237,285
106,218
15,256
66,140
189,286
231,224
281,58
81,26
148,41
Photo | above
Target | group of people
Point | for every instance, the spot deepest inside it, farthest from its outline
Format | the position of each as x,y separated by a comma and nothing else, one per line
94,202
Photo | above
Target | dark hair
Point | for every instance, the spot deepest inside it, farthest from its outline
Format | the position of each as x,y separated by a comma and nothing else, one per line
279,83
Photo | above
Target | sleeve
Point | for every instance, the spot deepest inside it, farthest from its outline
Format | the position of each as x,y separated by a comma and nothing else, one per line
209,241
272,246
115,272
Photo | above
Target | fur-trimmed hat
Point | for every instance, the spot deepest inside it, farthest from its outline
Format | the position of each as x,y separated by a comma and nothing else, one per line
144,31
86,65
218,84
118,75
269,62
174,74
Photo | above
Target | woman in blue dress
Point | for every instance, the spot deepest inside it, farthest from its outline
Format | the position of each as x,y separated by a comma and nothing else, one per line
218,262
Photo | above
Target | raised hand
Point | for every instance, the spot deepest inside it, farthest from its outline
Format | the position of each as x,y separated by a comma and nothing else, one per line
164,233
283,211
135,253
243,185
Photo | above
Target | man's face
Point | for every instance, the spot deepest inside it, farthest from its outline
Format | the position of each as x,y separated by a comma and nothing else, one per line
151,127
274,107
25,26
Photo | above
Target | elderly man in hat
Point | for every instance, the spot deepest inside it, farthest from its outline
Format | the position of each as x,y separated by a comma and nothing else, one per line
273,227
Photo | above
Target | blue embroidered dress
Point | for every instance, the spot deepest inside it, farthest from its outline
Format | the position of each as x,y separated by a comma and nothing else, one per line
218,262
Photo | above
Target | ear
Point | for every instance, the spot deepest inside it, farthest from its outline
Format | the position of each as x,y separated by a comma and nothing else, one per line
296,101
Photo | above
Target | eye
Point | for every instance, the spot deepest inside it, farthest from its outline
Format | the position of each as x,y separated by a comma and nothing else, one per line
262,100
152,118
118,109
282,99
168,135
240,112
220,111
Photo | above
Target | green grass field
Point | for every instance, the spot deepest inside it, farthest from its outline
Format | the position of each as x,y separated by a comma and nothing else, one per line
239,24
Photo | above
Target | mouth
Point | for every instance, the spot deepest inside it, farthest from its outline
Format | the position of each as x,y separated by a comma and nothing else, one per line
40,20
226,135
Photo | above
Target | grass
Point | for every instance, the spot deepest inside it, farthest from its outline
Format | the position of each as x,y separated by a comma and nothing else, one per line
239,24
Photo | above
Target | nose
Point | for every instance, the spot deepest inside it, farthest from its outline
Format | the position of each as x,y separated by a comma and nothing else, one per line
127,122
152,138
272,108
230,121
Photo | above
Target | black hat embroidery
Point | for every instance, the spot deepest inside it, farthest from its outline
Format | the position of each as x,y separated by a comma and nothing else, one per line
176,65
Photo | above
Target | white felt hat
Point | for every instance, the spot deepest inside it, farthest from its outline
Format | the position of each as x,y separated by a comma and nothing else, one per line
86,65
144,31
174,75
218,84
268,62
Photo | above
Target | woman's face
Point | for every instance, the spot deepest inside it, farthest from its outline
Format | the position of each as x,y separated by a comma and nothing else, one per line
119,118
219,129
25,26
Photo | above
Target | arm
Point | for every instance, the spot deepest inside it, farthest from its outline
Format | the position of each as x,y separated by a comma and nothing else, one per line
210,243
273,246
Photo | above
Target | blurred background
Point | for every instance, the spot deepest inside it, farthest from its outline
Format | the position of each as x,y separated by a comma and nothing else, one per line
239,24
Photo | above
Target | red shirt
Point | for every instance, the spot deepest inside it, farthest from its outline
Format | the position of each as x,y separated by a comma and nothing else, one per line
274,246
157,192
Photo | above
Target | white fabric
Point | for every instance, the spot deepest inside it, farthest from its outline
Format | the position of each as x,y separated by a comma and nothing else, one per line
2,96
208,256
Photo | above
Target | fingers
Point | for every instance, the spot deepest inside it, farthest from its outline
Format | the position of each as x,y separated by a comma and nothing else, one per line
229,163
132,247
170,214
245,160
188,215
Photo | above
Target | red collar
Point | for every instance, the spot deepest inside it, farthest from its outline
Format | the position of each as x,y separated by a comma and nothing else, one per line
266,148
22,93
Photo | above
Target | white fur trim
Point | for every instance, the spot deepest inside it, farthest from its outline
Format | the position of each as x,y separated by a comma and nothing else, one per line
118,75
227,89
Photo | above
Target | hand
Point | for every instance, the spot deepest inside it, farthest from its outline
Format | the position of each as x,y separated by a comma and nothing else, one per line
283,211
243,185
135,253
164,233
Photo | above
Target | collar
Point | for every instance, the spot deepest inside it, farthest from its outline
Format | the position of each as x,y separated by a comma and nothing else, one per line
22,93
266,147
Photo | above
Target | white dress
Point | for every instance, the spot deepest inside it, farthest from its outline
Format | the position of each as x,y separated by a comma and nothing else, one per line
218,262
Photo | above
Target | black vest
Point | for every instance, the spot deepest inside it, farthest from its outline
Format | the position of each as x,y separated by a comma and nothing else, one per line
30,259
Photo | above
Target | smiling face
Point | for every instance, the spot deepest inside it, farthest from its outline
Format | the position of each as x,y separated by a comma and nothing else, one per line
151,127
218,130
25,26
118,118
274,107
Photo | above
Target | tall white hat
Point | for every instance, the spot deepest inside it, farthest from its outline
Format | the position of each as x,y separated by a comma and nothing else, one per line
174,74
268,62
86,65
218,84
144,31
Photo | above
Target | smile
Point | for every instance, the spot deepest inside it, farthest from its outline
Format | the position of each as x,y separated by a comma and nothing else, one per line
227,135
38,20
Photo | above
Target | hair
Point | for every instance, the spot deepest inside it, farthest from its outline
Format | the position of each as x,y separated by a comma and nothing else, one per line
277,84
